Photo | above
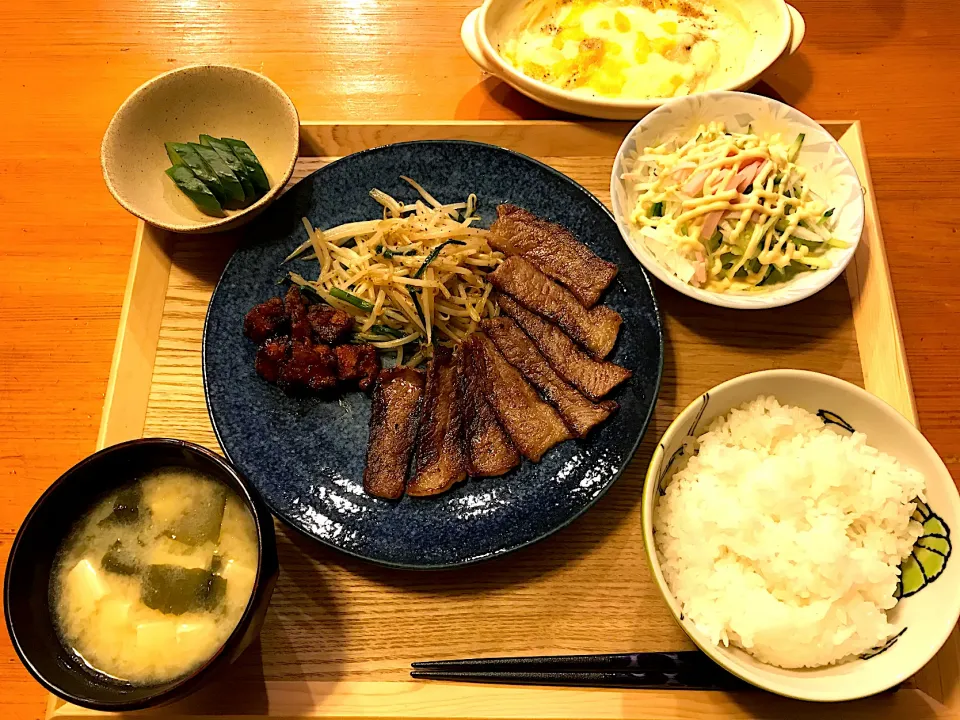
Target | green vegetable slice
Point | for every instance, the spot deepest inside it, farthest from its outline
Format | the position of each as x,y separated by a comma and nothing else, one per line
249,159
715,241
307,288
434,254
198,192
233,162
384,330
794,150
183,154
202,523
174,590
351,298
231,185
126,508
388,253
119,560
415,297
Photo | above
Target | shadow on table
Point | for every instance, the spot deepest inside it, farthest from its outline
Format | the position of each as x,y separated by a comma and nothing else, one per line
241,689
788,80
492,98
769,332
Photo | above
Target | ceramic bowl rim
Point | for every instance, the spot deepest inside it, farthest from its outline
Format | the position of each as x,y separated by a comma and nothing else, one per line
196,677
228,221
651,483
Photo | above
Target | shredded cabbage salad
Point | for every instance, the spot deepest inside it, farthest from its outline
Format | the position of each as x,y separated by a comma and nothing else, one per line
729,211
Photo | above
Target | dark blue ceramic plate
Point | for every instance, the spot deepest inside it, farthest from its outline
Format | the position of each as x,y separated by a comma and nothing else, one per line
306,455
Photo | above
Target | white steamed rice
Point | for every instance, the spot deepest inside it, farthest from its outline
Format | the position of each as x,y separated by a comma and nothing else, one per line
785,538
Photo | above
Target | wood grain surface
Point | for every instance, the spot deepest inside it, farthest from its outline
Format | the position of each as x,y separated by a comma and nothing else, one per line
65,65
337,618
341,630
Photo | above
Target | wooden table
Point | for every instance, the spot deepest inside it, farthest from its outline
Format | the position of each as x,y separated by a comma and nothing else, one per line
65,65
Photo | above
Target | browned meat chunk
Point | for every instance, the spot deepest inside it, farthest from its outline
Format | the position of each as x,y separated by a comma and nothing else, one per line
357,362
554,250
594,378
393,428
265,320
489,449
309,367
270,356
533,425
440,460
329,325
596,329
577,412
296,308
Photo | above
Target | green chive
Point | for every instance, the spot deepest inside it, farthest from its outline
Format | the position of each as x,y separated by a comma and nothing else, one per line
433,256
414,295
388,253
310,290
384,330
352,299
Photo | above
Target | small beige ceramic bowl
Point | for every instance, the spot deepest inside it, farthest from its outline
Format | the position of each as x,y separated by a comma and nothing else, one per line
779,29
178,106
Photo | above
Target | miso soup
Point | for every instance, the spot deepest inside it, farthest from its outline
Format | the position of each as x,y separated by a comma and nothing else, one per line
152,580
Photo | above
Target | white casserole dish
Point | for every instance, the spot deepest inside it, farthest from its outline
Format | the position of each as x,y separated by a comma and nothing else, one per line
779,27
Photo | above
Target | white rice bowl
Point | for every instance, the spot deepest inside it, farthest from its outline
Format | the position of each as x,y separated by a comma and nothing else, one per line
784,537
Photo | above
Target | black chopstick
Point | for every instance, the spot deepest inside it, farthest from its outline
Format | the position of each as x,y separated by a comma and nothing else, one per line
679,670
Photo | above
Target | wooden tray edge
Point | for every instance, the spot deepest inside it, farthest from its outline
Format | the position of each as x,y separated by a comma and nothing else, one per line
874,307
135,351
875,317
436,701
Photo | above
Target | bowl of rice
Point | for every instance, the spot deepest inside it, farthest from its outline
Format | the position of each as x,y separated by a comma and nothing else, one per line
799,529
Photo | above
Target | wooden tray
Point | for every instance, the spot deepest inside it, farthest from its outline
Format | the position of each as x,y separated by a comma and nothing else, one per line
340,634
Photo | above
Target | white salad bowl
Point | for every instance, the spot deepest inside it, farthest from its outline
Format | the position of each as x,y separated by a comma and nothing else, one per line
778,28
924,620
830,174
